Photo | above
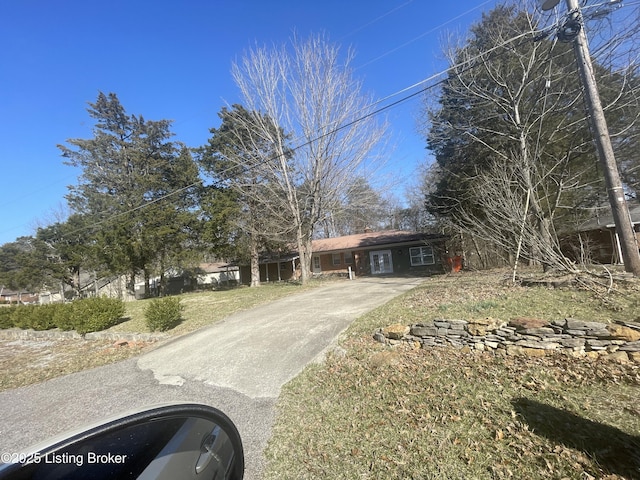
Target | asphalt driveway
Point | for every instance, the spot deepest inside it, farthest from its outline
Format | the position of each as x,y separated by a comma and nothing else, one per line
238,365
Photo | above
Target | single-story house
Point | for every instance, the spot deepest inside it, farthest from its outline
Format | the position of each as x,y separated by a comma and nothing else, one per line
376,253
371,253
596,239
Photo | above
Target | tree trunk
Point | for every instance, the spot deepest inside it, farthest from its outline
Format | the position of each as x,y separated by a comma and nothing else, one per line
255,262
305,252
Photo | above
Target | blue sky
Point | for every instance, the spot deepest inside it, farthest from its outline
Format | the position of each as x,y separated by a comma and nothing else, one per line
171,60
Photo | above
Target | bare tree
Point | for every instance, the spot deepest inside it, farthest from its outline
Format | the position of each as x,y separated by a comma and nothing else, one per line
309,92
514,153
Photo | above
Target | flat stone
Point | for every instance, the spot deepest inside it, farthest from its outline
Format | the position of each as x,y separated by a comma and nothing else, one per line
492,345
458,322
573,324
539,331
424,331
396,331
426,324
597,344
576,333
458,326
441,324
526,323
620,332
572,342
600,332
538,345
631,347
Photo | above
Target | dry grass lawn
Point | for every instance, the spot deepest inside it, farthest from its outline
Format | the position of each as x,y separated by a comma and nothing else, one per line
375,412
24,362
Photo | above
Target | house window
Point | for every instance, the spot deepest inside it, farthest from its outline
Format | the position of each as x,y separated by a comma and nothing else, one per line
422,256
337,259
348,258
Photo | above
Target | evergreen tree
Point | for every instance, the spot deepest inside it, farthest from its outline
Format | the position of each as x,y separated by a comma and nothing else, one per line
138,187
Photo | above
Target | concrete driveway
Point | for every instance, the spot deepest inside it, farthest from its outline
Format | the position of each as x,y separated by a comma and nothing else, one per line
238,365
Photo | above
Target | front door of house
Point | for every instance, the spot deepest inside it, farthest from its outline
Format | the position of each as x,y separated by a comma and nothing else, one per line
381,262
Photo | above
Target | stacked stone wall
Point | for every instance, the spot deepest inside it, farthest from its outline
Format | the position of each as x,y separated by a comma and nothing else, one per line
523,336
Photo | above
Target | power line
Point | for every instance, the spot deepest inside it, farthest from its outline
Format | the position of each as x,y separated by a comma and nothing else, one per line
464,65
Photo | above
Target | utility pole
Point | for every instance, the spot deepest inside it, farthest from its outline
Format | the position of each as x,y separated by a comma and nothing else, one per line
573,30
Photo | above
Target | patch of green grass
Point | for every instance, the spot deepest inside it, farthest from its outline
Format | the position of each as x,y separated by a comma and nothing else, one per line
378,412
205,308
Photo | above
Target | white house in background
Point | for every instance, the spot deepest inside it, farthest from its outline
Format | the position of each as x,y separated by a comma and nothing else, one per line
217,273
205,275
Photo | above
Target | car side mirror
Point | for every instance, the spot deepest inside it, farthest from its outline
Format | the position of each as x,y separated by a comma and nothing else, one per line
165,442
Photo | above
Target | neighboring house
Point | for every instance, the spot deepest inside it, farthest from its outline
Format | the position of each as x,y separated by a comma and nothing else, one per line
12,296
214,274
596,239
110,287
371,253
203,276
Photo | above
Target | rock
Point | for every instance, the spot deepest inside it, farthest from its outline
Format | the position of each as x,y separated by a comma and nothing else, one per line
572,342
492,345
620,332
539,331
538,345
480,327
514,350
631,347
458,324
634,357
525,323
573,324
121,343
396,331
534,352
597,344
618,357
379,337
420,330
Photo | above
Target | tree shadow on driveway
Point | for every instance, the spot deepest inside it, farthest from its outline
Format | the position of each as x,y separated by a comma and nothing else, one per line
615,451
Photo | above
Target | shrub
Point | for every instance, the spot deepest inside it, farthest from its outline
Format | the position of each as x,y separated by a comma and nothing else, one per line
6,320
63,316
95,314
22,316
163,314
42,317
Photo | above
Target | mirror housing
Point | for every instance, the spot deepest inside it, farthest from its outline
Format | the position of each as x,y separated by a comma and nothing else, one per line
164,442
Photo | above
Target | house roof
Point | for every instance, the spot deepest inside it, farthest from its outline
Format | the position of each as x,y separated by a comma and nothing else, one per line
216,267
371,239
605,219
